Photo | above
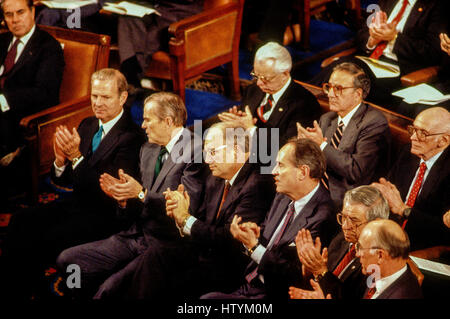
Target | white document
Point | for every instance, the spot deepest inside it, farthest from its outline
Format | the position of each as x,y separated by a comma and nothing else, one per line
422,93
128,8
381,69
66,4
432,266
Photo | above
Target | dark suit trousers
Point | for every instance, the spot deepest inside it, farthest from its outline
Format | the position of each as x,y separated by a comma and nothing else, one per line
106,263
246,291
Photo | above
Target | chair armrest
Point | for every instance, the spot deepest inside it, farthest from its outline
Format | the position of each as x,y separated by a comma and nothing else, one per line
177,29
30,123
333,58
420,76
431,253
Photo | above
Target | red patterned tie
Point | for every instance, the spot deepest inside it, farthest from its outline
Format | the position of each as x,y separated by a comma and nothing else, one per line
369,293
9,61
264,108
345,261
416,188
224,196
378,51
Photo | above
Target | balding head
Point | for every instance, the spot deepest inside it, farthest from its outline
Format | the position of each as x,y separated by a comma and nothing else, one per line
388,235
432,132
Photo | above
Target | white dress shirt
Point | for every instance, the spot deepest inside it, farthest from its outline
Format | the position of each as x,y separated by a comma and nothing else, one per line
383,283
276,97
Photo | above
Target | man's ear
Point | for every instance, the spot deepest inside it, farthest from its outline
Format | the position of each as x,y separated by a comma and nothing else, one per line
123,97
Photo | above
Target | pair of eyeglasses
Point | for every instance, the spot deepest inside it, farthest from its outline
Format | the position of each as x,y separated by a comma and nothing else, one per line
213,151
358,247
337,89
420,133
262,77
341,218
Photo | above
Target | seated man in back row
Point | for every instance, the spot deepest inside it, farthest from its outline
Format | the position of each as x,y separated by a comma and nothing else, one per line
404,33
354,136
31,70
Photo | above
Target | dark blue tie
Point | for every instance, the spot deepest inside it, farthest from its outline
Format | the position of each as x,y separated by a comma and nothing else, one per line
97,138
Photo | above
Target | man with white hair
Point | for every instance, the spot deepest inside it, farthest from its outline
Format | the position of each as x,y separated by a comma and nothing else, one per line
275,101
418,184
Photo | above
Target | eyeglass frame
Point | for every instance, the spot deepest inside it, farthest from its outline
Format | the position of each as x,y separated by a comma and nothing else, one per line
262,77
337,89
215,149
348,218
412,129
358,247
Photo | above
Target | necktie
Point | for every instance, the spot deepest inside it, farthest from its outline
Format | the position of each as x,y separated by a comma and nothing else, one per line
97,139
159,161
9,61
290,213
337,136
378,51
335,140
348,257
265,108
369,293
416,188
224,196
417,185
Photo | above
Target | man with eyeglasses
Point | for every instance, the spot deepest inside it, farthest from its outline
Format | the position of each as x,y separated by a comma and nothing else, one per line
354,136
208,258
301,202
336,269
275,100
383,250
418,185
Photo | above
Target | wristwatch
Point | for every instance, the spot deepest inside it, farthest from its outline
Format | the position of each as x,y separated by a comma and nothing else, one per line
251,250
320,276
75,160
141,195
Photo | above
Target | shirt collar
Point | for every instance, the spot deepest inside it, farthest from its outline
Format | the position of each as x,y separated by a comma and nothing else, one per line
300,203
109,125
383,283
24,40
276,96
346,119
231,181
174,139
431,160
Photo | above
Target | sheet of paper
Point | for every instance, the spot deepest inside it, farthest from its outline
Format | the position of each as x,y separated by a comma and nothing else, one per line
422,93
381,69
66,4
432,266
128,8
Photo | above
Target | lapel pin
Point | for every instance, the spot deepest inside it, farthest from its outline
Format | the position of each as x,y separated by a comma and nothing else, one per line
280,109
420,9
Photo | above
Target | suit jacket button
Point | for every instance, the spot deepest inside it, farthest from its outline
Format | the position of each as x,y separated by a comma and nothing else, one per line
280,109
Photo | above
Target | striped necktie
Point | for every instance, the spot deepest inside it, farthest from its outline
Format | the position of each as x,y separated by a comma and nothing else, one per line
265,108
337,136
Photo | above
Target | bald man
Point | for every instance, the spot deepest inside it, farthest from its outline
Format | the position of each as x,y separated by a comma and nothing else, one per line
418,185
383,249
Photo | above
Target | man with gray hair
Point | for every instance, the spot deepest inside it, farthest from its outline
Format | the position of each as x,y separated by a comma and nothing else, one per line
354,136
166,160
336,269
275,100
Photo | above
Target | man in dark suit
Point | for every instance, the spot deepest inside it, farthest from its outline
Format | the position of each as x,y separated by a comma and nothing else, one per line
354,137
31,70
209,258
275,100
165,161
336,269
401,33
301,202
418,184
139,38
383,251
102,144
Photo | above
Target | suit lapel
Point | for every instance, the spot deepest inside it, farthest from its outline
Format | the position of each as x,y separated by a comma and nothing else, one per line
350,132
329,131
278,215
435,174
214,201
409,170
4,47
415,13
27,52
281,106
